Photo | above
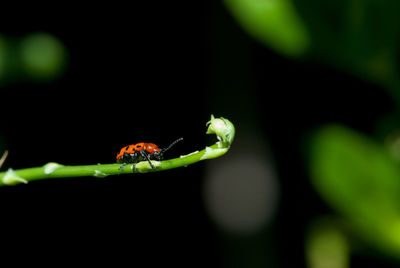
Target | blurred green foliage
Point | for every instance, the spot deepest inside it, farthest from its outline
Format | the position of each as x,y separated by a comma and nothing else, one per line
274,22
358,36
360,179
37,57
355,175
327,245
43,56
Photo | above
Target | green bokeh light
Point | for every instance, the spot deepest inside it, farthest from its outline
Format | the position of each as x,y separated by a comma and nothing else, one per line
327,246
358,178
43,56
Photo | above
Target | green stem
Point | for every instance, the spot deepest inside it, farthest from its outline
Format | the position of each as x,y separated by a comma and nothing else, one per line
223,128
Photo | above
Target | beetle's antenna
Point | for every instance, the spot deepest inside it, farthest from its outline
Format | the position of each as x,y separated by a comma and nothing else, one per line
172,144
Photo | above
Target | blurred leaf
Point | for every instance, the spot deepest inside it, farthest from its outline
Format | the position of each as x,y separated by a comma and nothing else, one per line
273,22
359,179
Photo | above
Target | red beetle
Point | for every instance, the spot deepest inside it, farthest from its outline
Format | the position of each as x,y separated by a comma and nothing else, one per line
142,151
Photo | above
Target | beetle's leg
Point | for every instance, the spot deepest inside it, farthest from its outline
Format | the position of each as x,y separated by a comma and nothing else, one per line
133,167
143,154
134,160
124,164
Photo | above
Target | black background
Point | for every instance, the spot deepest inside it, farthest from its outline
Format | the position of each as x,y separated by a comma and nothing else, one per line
149,73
